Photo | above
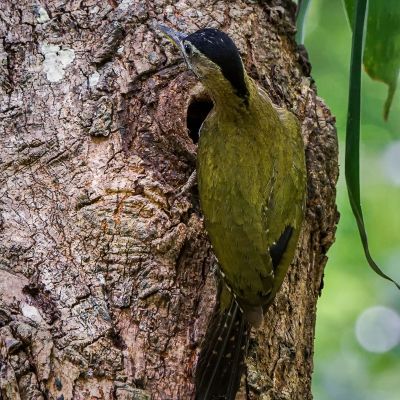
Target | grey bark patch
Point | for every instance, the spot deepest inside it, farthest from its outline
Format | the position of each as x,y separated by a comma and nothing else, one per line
102,117
41,14
108,44
56,60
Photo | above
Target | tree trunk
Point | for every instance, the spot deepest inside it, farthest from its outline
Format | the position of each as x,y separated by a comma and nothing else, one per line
106,276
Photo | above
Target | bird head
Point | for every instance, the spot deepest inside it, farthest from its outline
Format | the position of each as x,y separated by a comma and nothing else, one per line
213,57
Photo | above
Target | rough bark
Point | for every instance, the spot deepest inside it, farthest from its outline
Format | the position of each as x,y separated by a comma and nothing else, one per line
106,281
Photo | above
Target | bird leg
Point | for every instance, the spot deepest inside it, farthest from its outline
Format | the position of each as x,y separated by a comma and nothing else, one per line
190,183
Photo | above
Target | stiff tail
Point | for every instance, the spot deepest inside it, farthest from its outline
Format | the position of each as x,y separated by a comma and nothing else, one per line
221,360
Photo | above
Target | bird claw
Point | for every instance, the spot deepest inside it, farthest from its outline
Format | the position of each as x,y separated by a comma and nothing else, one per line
190,183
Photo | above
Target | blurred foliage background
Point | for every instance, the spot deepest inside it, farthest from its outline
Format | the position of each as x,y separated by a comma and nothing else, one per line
357,351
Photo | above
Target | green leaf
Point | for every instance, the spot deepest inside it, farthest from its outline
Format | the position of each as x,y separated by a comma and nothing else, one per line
302,8
352,157
382,43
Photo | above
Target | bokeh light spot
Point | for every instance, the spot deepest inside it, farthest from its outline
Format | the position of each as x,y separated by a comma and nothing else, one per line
391,162
378,329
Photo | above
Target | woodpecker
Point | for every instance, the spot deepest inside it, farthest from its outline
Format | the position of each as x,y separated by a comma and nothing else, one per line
251,177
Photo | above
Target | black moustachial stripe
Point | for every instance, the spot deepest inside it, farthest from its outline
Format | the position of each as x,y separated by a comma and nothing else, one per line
220,49
276,250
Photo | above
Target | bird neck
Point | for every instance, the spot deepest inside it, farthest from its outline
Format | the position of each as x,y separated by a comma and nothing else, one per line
227,102
224,95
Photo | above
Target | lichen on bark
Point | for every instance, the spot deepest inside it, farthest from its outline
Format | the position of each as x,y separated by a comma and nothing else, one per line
106,281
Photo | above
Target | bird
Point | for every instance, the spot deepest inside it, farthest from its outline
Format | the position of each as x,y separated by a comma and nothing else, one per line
252,184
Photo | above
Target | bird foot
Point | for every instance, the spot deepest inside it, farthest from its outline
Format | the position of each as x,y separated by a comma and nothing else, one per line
190,183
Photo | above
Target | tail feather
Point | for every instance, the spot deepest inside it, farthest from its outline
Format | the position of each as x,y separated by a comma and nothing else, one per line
221,360
220,363
240,353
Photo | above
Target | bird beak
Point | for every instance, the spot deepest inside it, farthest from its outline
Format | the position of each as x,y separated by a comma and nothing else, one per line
173,36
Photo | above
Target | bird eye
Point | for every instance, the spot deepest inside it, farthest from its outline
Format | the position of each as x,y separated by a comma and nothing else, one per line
188,49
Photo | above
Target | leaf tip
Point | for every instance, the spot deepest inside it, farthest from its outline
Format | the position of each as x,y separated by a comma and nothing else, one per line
389,100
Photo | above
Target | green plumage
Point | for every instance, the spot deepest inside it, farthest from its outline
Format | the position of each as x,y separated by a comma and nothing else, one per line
252,180
252,184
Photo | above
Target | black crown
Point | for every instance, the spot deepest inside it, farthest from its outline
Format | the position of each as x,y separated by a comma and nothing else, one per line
221,50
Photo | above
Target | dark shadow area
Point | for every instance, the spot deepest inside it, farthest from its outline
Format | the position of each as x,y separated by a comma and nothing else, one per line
196,114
